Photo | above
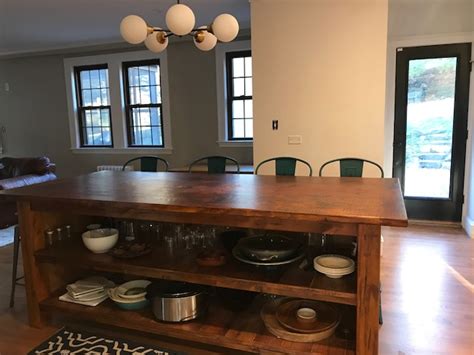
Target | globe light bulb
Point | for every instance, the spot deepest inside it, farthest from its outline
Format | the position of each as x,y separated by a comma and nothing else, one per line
156,41
204,40
180,19
133,29
225,27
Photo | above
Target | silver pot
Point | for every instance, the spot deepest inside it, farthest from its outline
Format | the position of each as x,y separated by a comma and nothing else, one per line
177,301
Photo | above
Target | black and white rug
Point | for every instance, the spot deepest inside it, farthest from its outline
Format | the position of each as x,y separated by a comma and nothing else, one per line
71,342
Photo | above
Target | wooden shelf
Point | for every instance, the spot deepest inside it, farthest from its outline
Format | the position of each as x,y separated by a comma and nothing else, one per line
181,266
222,327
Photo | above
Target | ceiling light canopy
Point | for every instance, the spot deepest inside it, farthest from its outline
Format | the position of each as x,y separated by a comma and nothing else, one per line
181,21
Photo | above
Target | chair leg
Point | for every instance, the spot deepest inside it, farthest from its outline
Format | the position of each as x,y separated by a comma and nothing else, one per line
380,307
16,250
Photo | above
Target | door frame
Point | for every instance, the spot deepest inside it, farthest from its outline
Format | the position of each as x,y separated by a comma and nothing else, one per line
449,209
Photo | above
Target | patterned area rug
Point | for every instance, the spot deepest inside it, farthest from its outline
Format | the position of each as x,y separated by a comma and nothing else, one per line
68,342
6,236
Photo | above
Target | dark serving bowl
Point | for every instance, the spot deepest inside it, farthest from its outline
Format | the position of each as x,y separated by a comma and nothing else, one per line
269,247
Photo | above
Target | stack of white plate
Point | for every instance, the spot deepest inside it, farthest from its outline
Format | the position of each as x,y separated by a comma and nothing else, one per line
334,266
89,292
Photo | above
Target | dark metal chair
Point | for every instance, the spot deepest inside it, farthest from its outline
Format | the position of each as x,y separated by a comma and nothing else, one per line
16,254
216,164
285,166
351,167
354,167
148,163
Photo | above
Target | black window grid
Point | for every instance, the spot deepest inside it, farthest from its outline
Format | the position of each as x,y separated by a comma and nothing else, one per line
84,109
231,98
134,130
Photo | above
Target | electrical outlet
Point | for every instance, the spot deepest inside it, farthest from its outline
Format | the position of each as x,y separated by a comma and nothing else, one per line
275,125
295,139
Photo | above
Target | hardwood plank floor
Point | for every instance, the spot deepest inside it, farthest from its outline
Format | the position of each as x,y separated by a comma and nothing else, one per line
428,295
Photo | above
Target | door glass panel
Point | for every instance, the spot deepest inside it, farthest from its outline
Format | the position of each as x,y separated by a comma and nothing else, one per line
429,136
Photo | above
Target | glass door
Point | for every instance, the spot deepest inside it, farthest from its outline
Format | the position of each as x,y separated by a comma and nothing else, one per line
430,132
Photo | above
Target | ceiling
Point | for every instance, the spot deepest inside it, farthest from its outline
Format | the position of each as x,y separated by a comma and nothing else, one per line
33,25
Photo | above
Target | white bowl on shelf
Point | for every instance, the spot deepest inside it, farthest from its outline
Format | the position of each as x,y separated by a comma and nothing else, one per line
334,266
101,240
132,290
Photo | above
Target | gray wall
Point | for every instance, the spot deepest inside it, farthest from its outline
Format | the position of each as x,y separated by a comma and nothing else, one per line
34,111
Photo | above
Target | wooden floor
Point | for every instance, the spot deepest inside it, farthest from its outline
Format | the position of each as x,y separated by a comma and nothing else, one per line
428,295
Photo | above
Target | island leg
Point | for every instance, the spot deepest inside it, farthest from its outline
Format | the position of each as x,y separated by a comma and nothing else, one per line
31,234
368,288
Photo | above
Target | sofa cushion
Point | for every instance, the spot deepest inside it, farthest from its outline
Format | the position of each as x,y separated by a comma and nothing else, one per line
25,180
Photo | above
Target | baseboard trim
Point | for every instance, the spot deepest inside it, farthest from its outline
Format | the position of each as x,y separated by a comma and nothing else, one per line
468,225
420,222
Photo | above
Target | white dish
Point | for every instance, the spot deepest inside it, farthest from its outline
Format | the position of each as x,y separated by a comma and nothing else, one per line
334,266
67,298
116,298
100,241
122,290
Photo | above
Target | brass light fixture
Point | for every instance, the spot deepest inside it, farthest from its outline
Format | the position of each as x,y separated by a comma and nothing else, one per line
180,21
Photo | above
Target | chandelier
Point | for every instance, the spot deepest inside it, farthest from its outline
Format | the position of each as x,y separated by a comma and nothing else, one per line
180,21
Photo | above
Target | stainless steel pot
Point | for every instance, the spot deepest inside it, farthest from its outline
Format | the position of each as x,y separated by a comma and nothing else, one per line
177,301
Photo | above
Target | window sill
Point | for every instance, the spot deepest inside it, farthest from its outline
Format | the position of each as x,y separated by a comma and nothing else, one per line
243,144
141,151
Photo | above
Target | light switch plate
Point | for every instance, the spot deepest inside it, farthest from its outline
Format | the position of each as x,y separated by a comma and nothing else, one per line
295,139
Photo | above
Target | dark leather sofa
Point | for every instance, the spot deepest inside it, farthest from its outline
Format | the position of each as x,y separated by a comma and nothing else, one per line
19,172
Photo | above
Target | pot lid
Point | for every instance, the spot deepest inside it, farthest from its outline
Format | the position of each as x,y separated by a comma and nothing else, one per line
172,289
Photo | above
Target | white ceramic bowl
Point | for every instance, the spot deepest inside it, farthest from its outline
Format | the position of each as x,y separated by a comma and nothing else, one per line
100,241
334,266
130,290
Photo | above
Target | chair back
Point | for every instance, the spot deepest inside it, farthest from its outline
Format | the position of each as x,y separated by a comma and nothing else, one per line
351,167
216,164
285,166
148,163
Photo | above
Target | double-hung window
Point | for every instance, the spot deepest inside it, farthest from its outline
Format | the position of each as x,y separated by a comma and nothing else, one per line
239,95
93,106
125,91
143,103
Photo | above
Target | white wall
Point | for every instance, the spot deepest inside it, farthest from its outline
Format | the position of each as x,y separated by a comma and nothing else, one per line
319,68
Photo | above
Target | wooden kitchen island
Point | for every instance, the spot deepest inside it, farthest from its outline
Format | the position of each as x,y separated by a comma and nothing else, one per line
352,207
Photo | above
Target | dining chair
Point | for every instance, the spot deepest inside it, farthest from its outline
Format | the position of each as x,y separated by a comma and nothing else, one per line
285,166
354,167
216,164
351,167
148,163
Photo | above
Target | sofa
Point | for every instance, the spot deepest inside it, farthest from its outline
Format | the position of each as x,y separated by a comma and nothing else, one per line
19,172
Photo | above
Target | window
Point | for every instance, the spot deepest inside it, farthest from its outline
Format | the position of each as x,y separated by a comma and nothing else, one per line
118,103
94,121
143,103
239,95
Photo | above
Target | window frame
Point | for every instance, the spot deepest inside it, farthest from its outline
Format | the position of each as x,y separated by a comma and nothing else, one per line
221,85
129,106
117,102
81,108
230,98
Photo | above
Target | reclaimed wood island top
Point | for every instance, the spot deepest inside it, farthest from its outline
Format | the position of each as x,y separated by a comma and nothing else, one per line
329,199
355,207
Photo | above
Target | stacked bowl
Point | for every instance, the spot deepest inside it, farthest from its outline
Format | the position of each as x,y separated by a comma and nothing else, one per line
131,295
334,266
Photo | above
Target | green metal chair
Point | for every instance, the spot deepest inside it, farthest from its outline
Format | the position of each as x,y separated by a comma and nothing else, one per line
148,163
285,166
216,164
354,167
351,167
